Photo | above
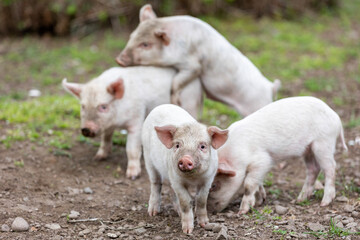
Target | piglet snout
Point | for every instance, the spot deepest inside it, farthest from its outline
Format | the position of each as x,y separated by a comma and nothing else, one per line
123,60
90,129
186,163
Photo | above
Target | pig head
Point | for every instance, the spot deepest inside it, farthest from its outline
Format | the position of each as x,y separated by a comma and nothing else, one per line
146,43
97,105
191,145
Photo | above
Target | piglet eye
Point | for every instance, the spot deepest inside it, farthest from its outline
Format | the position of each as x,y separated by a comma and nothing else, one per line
145,45
103,108
177,145
202,146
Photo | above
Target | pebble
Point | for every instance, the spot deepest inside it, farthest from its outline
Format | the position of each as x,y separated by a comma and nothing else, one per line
342,199
19,225
34,93
347,220
140,231
316,227
355,214
168,229
101,230
217,228
84,232
88,190
280,209
112,235
349,208
339,224
53,226
74,214
158,238
5,228
351,225
222,234
210,226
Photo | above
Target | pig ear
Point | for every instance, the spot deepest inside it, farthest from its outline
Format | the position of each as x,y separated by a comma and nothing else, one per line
146,12
166,134
117,89
73,88
218,136
163,36
225,169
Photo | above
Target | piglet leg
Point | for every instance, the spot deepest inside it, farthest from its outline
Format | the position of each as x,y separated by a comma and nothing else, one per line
133,151
105,145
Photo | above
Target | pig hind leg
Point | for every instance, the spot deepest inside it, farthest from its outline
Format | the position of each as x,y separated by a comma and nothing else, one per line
324,154
253,180
312,171
260,196
155,194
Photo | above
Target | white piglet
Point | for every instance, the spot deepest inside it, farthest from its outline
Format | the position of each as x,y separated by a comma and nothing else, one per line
179,149
197,50
122,98
291,127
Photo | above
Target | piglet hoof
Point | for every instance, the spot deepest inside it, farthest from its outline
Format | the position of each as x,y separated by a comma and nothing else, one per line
99,157
203,221
325,203
152,213
187,229
133,172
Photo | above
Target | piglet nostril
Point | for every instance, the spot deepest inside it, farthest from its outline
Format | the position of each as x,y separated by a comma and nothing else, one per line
85,132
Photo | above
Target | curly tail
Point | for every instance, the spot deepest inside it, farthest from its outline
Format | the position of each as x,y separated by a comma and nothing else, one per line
275,88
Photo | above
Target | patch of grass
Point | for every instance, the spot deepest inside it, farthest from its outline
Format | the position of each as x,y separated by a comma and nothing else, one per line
275,192
321,176
353,122
319,84
41,118
333,231
277,218
280,231
319,194
19,163
268,182
212,110
304,203
58,152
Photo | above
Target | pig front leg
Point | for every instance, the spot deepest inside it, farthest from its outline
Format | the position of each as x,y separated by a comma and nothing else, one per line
187,216
183,78
155,195
133,152
200,205
105,145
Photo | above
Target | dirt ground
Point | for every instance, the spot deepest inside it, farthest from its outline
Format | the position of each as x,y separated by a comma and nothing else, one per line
49,187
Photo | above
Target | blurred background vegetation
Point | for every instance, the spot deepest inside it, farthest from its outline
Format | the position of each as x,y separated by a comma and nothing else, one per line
312,46
61,17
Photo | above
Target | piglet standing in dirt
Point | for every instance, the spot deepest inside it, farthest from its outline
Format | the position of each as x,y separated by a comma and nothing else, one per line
179,149
122,98
291,127
196,49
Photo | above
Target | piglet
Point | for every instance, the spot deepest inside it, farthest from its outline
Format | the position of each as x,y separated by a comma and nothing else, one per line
197,50
291,127
122,98
179,149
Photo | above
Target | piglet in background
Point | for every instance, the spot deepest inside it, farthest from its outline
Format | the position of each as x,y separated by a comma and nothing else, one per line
197,50
122,98
291,127
179,149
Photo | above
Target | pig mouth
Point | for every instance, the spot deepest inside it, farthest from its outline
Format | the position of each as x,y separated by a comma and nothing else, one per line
121,62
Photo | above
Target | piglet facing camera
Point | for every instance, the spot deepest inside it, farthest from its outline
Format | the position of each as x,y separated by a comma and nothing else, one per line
179,149
291,127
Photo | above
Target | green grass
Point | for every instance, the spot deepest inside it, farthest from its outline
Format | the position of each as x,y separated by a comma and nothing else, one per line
333,231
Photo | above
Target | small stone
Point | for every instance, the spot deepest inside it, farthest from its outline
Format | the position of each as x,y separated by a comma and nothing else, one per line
222,234
349,208
355,214
140,231
112,235
168,229
88,190
101,230
84,232
34,93
220,220
158,238
316,227
280,209
5,228
19,225
342,199
74,214
347,220
209,226
217,228
53,226
339,224
351,225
